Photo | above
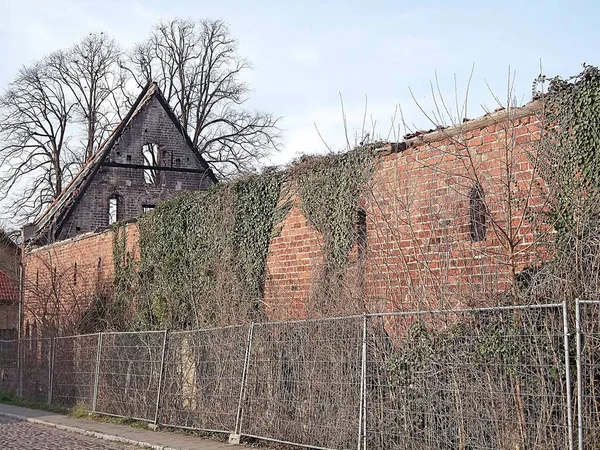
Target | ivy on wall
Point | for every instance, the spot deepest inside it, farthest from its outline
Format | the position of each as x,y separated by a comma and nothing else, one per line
203,256
572,145
330,190
569,162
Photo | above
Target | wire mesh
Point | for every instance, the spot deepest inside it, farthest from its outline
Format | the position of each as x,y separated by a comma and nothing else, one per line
129,374
472,379
475,379
9,368
36,355
304,382
588,400
203,378
73,370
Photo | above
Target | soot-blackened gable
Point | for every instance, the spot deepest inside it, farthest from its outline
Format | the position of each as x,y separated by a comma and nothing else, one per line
147,159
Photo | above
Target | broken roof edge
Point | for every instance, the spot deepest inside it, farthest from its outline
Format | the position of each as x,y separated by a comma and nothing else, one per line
90,165
483,121
78,185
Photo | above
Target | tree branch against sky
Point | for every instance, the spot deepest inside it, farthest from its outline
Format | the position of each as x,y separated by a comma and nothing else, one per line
197,67
91,71
56,112
35,153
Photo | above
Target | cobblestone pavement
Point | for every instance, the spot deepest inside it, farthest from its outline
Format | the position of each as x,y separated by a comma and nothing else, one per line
21,435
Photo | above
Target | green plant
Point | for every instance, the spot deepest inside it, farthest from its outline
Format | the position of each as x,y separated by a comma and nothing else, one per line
202,256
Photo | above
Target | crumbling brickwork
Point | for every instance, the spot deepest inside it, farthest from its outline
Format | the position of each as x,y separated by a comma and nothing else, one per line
63,280
151,125
419,250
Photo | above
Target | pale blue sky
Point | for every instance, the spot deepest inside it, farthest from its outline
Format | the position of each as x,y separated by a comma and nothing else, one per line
305,53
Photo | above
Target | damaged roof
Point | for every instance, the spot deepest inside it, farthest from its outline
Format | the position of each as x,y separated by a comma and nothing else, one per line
58,212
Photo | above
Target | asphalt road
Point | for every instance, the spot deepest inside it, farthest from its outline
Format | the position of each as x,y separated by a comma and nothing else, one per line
21,435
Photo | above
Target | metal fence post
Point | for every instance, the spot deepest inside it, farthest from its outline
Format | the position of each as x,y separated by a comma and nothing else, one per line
20,366
97,373
579,376
568,377
235,437
160,377
362,414
51,369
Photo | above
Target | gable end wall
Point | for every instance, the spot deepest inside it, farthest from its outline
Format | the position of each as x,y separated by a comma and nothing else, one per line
151,125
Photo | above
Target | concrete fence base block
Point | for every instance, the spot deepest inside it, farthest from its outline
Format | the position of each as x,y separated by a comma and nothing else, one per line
234,439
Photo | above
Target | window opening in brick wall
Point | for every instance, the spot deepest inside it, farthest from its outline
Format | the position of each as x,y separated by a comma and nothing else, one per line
478,214
148,208
113,210
362,232
151,156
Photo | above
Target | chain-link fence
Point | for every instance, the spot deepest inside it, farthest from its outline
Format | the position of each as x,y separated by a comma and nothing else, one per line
478,379
74,370
492,378
304,382
588,373
36,358
129,374
203,378
9,367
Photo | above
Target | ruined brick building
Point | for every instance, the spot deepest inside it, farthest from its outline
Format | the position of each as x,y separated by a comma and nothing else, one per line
427,243
147,159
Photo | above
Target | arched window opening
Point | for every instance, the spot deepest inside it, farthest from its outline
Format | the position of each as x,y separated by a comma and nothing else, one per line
151,156
478,214
362,232
113,210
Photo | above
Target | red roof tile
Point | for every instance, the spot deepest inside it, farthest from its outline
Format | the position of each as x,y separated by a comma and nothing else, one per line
8,289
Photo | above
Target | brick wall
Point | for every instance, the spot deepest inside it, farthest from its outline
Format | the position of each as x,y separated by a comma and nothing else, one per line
62,280
150,125
418,251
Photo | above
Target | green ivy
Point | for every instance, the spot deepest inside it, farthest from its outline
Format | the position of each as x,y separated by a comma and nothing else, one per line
571,148
203,256
330,189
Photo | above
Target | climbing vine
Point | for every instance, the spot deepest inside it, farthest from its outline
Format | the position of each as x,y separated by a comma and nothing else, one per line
203,255
569,162
329,190
572,145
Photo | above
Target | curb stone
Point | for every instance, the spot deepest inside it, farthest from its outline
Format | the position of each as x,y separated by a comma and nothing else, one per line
96,434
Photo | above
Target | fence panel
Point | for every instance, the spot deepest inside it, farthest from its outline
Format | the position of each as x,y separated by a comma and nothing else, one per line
36,355
203,378
304,382
74,370
588,355
9,368
128,379
477,379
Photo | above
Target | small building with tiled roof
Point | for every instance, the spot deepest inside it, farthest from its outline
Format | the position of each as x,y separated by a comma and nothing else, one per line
147,159
9,287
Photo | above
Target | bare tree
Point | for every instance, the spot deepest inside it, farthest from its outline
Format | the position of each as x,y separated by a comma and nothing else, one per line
197,67
35,154
91,70
52,117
